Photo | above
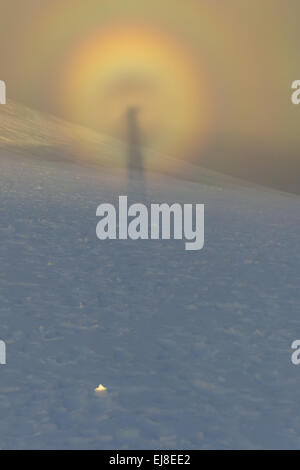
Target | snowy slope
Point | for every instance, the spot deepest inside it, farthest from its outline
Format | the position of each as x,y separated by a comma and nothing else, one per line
193,347
32,134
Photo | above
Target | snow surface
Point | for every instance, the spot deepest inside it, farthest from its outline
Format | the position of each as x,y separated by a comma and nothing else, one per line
193,347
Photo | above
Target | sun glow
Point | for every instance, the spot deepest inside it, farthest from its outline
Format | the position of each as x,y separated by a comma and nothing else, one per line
125,66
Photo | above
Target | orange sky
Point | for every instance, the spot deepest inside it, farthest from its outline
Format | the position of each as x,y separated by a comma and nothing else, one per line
197,68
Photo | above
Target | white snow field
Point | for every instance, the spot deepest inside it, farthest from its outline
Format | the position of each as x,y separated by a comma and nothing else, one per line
193,347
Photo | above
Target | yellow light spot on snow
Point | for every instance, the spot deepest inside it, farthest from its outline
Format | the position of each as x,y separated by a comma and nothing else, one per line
100,388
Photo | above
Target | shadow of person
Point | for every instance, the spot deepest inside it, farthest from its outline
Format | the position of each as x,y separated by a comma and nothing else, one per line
135,163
